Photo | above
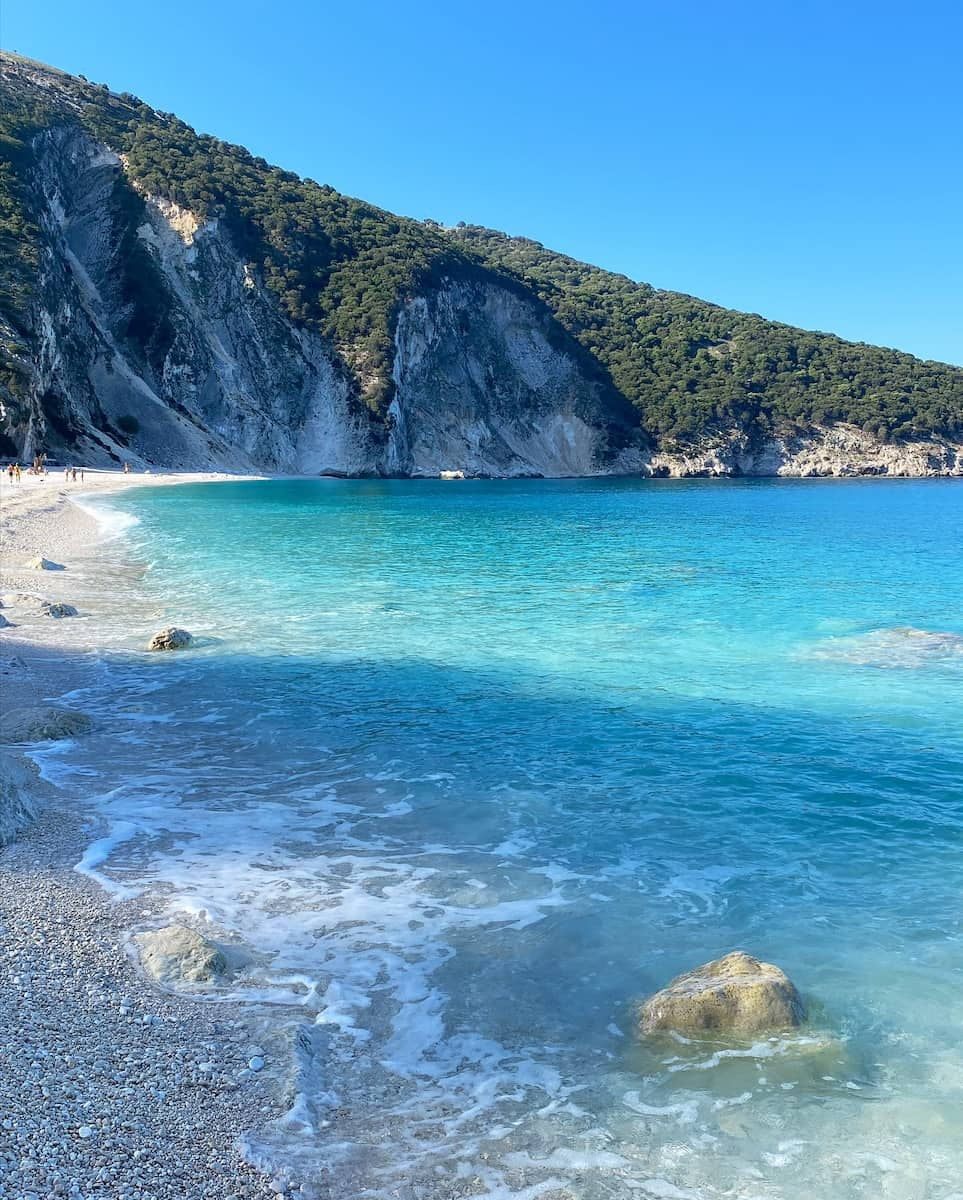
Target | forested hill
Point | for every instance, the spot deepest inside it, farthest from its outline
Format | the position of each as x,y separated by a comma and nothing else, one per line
344,269
687,364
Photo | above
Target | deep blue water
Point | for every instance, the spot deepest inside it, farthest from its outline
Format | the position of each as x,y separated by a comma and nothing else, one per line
476,766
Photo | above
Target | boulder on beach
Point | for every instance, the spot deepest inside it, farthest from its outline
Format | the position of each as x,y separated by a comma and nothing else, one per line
59,610
736,995
4,623
179,954
43,564
22,600
171,638
19,781
44,723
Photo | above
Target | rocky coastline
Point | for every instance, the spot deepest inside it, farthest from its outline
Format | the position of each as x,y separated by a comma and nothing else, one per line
110,1084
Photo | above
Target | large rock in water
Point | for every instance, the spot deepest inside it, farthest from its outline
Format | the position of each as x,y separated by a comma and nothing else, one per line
42,724
736,994
59,610
171,638
179,954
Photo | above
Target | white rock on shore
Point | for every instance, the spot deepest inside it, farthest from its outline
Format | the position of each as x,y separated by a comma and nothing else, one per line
179,954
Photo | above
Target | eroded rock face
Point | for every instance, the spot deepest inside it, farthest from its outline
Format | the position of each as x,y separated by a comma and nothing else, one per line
171,638
179,954
19,781
45,723
736,995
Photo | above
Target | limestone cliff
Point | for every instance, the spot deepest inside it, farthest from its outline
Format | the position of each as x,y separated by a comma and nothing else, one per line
204,370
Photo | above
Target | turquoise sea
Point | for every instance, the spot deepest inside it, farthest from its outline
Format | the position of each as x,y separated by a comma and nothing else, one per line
471,768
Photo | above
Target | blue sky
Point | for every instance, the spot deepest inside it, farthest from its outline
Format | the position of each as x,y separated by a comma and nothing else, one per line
800,160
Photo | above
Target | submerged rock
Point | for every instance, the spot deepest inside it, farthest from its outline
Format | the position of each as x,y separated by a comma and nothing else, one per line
44,723
179,954
19,781
43,564
736,994
899,647
59,610
171,638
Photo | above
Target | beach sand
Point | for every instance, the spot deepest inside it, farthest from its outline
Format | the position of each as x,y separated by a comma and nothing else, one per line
109,1085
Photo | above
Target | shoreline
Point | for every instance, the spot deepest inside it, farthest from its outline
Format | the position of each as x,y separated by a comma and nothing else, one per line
109,1083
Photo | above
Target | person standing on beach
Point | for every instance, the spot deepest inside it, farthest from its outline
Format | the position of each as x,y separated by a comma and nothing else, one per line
73,472
66,474
16,472
10,472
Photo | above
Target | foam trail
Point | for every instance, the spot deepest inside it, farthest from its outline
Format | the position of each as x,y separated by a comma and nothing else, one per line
98,852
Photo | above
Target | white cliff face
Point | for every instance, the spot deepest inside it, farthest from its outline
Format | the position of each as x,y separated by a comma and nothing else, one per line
481,388
221,379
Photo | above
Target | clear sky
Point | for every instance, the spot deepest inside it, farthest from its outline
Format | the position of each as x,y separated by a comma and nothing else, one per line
798,158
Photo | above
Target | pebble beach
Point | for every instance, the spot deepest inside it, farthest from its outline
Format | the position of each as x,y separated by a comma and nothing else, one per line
109,1085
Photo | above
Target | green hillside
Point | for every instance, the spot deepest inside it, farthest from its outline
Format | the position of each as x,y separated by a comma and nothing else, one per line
344,267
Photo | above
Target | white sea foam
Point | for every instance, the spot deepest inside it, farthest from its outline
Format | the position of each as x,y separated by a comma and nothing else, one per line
97,854
114,522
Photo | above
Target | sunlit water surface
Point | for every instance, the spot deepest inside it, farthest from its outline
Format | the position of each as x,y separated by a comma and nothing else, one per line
474,767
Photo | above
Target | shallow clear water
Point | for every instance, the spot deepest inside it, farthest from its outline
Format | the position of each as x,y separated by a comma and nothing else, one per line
474,767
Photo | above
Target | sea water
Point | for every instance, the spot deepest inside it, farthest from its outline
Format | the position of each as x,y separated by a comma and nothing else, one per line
471,768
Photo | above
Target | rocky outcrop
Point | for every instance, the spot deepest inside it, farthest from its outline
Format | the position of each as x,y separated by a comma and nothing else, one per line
836,451
171,638
179,954
488,384
735,995
19,784
42,724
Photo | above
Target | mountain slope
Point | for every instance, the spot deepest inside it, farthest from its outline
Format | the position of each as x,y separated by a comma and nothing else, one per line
167,297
